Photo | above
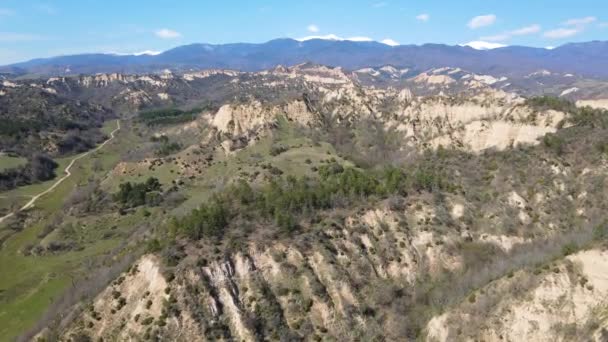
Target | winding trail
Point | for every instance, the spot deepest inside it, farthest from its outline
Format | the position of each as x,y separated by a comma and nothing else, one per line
67,172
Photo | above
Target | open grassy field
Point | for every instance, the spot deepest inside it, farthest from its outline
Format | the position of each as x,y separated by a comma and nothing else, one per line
299,159
30,283
8,162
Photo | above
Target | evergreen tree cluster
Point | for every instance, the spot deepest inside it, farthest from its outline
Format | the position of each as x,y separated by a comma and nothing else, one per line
286,200
133,195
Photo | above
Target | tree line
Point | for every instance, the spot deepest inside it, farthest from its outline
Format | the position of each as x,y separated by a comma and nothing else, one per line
287,200
171,116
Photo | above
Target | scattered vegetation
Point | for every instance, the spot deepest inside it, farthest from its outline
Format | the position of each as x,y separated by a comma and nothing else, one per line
32,119
551,103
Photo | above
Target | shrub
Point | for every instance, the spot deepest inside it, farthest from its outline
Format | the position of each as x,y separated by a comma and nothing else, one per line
600,232
285,221
166,147
554,142
426,179
569,249
153,246
275,150
147,321
137,194
472,298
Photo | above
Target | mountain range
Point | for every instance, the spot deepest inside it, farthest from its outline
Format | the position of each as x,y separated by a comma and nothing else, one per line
360,194
589,59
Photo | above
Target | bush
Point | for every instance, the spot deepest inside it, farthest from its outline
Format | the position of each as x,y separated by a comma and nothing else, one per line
554,142
428,180
166,146
147,321
600,233
275,150
569,249
286,222
153,246
137,194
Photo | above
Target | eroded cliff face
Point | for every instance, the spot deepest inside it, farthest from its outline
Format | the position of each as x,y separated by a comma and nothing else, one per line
320,285
565,301
237,120
365,273
492,119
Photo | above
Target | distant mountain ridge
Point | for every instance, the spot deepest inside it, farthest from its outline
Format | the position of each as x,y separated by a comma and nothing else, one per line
588,59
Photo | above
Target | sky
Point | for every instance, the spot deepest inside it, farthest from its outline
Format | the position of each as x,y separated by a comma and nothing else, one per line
32,29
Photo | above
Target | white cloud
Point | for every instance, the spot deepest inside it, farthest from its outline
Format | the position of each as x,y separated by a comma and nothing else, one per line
12,37
579,21
603,25
562,33
167,34
390,42
336,37
380,4
424,17
313,28
549,47
481,45
482,21
508,35
526,30
573,27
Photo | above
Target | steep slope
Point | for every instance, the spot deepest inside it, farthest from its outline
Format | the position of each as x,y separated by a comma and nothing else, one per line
563,301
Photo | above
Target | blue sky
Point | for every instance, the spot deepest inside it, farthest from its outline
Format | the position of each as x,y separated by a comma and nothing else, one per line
31,28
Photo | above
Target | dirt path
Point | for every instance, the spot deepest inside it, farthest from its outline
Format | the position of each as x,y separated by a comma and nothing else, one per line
67,172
